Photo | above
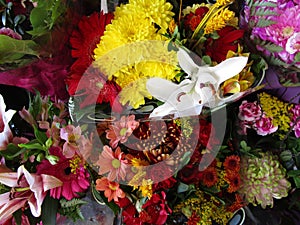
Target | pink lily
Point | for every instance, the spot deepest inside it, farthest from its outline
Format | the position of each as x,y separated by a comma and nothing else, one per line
5,117
26,189
71,135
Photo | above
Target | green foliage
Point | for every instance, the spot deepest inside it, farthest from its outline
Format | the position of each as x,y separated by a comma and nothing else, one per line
49,209
46,15
264,23
12,49
71,208
247,150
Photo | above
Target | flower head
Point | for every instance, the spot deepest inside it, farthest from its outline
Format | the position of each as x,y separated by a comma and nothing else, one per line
111,189
121,130
112,163
232,163
70,171
72,136
263,179
27,190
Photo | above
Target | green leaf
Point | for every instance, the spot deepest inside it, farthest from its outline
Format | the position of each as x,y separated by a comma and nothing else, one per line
293,173
206,59
49,209
12,49
286,155
265,23
32,146
297,57
297,181
40,136
264,12
12,151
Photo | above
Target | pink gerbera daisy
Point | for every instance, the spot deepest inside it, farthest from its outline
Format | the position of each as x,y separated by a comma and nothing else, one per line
112,163
121,130
71,172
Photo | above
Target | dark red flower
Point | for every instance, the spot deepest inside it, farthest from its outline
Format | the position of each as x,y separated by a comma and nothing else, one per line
189,174
209,177
156,209
234,181
85,39
207,134
164,185
228,39
192,20
194,219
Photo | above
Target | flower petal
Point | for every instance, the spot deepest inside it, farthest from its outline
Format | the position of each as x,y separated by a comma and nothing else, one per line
50,182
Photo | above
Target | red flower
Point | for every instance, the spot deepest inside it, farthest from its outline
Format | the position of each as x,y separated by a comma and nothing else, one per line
209,177
189,174
75,179
232,163
85,39
192,20
155,210
207,134
129,212
229,38
94,88
237,204
164,185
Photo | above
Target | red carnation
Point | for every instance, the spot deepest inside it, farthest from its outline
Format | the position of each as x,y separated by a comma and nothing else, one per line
192,20
228,39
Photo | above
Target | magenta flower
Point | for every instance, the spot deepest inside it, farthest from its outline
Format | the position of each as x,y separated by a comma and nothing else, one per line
72,136
264,126
5,117
121,130
10,33
295,121
27,190
112,163
249,111
71,171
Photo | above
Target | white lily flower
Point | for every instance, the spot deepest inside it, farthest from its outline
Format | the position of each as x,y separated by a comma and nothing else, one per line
200,88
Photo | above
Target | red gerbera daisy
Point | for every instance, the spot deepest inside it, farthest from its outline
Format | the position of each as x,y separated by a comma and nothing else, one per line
232,163
70,171
217,49
85,39
209,177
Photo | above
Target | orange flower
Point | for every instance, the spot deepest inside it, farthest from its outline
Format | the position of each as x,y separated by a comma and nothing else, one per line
111,189
232,163
238,203
234,181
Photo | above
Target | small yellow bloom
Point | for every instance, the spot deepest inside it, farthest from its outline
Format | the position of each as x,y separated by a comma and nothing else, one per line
218,21
146,188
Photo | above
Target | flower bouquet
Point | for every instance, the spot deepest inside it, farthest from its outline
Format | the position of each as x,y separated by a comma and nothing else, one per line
166,121
273,31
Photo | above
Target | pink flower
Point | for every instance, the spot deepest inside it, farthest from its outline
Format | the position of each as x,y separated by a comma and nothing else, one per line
121,130
264,126
111,189
27,190
293,43
249,111
71,172
10,33
295,121
71,135
5,117
113,163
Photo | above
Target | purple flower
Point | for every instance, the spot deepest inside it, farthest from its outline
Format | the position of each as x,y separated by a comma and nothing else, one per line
264,126
295,121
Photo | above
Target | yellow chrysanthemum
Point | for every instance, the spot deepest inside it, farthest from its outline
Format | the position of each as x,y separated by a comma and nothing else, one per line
146,188
223,2
157,11
218,21
126,29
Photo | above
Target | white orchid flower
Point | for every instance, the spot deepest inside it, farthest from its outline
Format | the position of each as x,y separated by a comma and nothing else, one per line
198,89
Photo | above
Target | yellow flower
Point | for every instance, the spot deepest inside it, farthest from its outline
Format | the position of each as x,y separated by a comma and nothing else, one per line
218,21
146,188
157,11
223,2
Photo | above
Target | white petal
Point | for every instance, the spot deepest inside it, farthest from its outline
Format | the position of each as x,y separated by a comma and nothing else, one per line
228,68
160,88
186,62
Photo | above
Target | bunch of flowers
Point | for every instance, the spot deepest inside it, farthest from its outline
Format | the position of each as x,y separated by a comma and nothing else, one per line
273,28
146,129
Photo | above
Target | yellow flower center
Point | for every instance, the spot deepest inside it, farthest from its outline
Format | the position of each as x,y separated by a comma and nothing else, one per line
116,163
123,131
75,164
288,31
